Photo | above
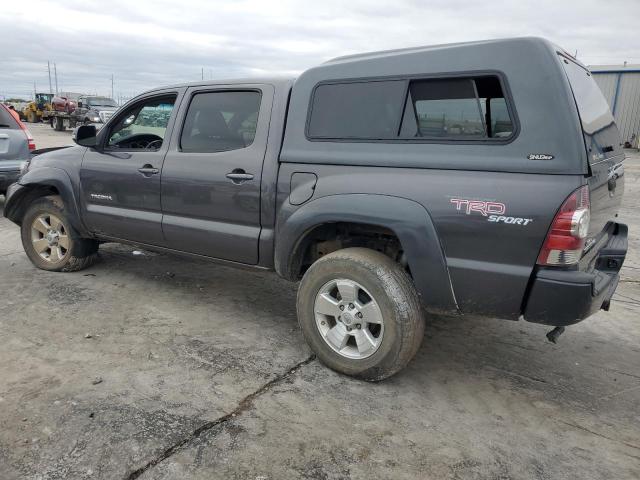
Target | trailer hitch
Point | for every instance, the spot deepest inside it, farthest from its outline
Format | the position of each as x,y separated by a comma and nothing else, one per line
554,334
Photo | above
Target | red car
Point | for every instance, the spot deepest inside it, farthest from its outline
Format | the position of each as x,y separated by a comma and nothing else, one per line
63,104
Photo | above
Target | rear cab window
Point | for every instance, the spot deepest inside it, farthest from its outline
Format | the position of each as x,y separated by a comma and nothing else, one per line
449,109
601,134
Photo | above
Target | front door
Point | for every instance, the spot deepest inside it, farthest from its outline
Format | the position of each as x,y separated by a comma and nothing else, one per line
120,180
211,174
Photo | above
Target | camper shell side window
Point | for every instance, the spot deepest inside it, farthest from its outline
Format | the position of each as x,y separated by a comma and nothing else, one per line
460,108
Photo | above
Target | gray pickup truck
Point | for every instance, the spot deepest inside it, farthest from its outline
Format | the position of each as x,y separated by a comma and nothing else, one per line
480,178
93,109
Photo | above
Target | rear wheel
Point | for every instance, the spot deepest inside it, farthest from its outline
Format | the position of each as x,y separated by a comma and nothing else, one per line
360,313
49,240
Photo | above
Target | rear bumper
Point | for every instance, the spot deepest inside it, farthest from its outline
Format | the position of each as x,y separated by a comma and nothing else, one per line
565,297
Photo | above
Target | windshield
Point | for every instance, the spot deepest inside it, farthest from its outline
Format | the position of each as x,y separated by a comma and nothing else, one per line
101,102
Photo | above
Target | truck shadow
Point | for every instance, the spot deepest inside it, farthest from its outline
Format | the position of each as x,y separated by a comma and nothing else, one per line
581,368
483,351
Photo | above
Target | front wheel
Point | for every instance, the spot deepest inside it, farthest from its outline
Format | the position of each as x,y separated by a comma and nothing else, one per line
360,313
49,240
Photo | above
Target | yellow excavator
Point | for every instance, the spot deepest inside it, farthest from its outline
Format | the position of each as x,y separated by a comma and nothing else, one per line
33,111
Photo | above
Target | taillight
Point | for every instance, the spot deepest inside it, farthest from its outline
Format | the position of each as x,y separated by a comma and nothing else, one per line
565,241
27,133
30,141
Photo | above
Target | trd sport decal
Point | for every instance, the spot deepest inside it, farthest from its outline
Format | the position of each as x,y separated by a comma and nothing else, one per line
484,208
492,210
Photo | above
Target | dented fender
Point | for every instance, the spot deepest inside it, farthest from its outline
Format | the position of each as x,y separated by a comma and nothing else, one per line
20,195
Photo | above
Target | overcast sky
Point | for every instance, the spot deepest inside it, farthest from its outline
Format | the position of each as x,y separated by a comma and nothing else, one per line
148,43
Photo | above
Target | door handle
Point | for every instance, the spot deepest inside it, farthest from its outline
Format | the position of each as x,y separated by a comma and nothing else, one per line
148,170
238,176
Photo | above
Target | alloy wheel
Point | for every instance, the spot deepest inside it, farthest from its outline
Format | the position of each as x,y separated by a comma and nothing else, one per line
50,238
348,318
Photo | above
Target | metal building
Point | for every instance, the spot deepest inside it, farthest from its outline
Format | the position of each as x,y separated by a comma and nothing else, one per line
620,85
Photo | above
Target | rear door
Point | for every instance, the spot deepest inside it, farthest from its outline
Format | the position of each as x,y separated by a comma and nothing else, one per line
603,144
212,172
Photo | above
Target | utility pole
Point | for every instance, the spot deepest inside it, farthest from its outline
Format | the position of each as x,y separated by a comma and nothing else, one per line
49,70
34,90
112,85
55,74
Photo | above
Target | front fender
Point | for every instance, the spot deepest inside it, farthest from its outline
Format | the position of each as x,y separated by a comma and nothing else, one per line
30,187
409,220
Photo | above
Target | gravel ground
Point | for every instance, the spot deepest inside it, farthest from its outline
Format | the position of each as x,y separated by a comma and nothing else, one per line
46,137
156,367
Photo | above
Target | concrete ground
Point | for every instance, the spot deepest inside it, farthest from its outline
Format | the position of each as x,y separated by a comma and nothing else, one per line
156,367
46,137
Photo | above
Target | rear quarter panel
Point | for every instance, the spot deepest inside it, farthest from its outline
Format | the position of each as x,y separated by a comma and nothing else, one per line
489,263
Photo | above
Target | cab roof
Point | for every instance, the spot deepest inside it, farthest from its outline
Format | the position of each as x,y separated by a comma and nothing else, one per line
274,80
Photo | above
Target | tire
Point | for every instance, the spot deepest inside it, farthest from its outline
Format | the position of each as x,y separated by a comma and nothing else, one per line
59,124
379,280
32,117
75,253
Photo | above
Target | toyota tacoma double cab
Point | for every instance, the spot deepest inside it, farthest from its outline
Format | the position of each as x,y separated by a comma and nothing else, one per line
477,178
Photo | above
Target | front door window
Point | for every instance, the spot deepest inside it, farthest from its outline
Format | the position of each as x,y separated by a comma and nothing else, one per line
143,126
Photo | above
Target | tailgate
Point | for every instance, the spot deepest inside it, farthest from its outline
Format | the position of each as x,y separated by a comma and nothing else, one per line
5,143
606,186
13,145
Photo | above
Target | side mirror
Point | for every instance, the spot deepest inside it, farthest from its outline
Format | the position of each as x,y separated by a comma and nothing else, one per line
86,136
79,104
